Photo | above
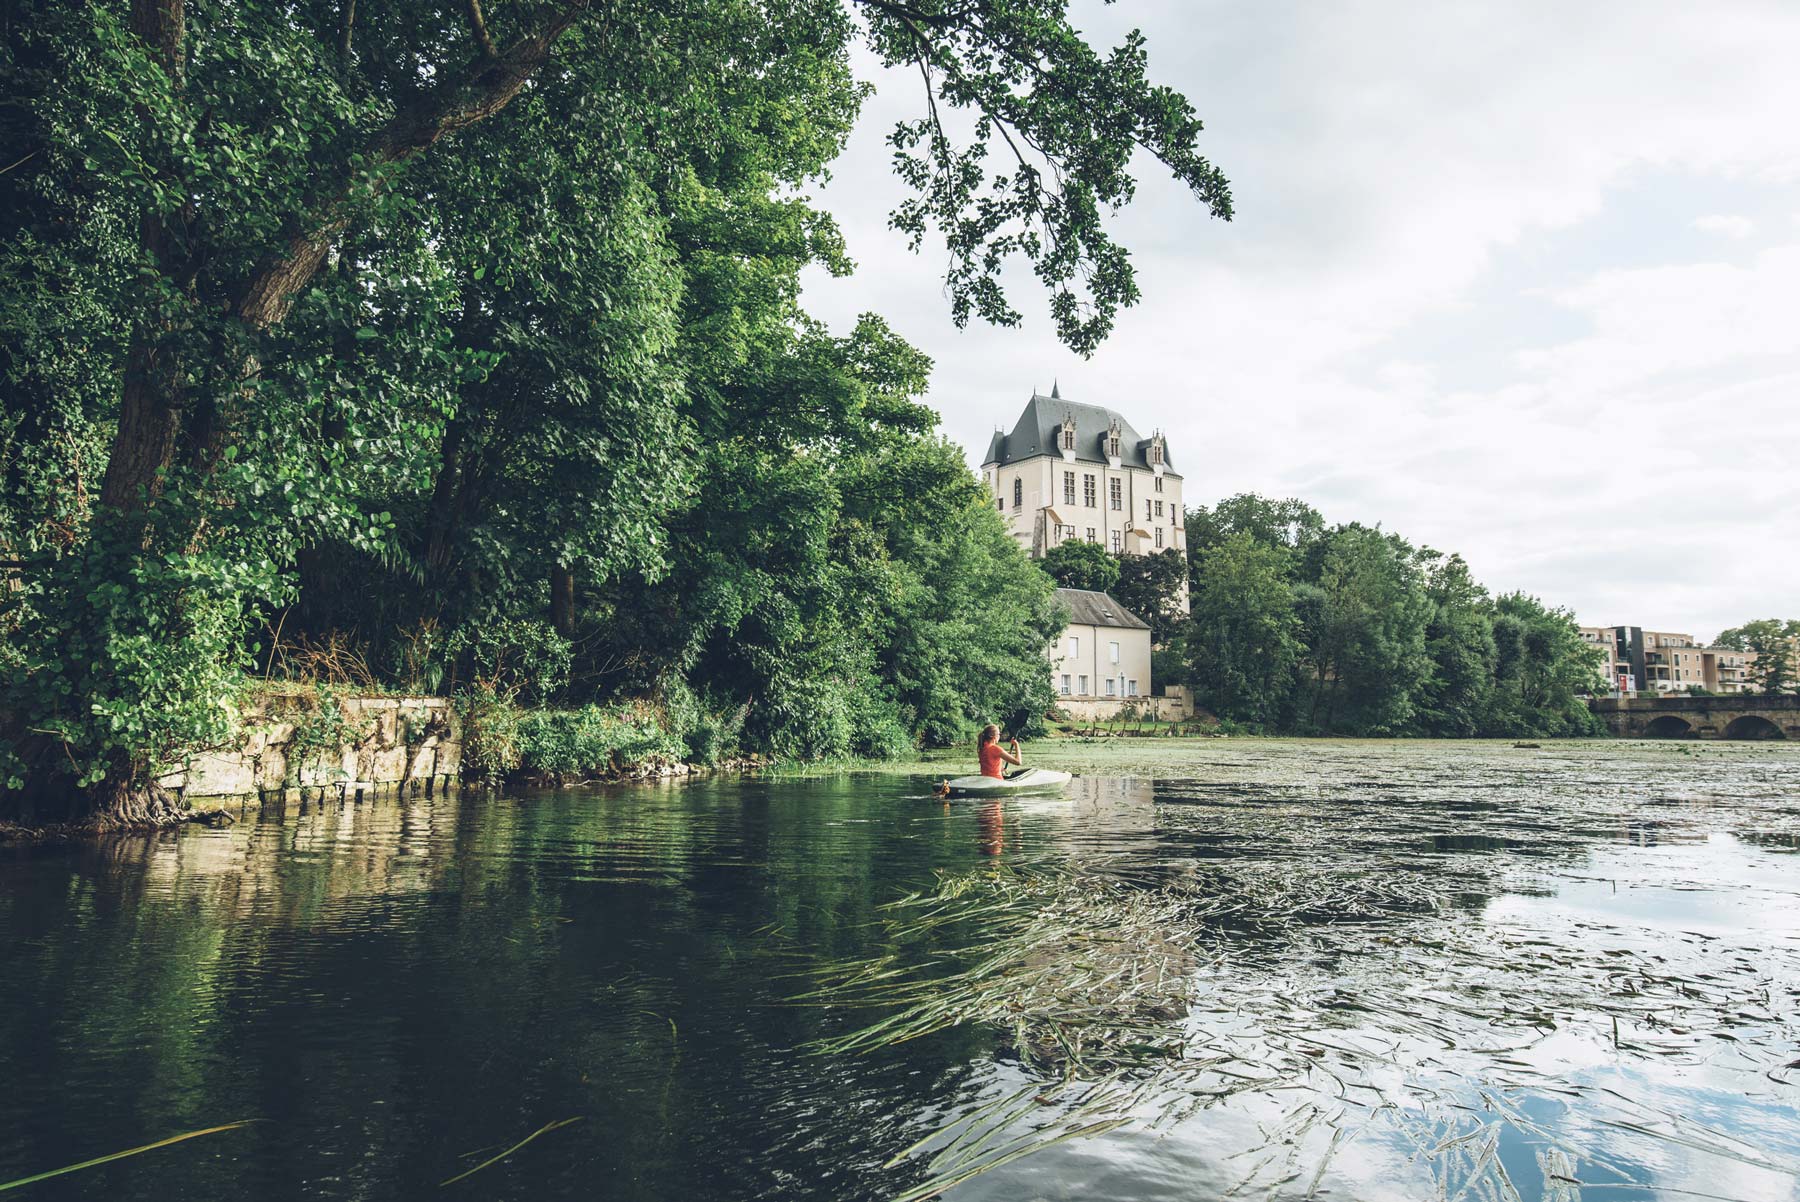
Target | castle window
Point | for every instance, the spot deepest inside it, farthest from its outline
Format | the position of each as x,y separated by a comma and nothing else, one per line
1115,542
1018,492
1087,489
1068,488
1146,510
1115,492
1159,484
1067,434
1159,537
1091,537
1159,509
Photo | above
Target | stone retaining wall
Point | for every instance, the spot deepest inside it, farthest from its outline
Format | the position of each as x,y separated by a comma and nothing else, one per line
392,741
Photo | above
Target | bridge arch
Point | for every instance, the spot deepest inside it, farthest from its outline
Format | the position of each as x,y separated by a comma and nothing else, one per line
1752,726
1669,726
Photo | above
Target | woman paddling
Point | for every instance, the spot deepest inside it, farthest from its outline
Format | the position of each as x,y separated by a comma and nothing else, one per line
993,756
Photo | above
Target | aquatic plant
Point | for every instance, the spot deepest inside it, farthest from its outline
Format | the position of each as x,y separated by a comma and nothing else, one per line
1244,982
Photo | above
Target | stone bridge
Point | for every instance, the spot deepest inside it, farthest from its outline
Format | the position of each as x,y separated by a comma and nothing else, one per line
1726,716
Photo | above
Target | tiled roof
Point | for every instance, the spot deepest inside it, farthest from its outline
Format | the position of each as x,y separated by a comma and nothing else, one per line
1088,608
1035,434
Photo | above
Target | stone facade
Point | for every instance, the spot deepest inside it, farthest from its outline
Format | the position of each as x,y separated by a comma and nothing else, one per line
391,741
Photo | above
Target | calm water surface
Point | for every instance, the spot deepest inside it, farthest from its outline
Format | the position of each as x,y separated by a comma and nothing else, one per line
1563,974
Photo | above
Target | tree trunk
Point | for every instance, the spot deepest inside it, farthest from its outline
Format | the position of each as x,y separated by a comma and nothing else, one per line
440,516
562,600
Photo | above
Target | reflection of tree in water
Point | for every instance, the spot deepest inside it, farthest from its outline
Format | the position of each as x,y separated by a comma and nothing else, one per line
1340,979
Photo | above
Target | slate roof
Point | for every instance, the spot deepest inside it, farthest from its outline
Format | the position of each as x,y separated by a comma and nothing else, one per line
1088,608
1035,434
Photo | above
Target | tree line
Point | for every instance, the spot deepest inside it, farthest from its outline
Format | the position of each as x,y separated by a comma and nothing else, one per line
1299,627
460,345
1776,645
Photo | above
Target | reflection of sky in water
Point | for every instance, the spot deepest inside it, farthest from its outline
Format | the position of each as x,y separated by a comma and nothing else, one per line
1691,1102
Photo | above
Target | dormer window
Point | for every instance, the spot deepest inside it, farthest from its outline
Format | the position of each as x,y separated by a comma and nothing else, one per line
1112,440
1156,451
1067,435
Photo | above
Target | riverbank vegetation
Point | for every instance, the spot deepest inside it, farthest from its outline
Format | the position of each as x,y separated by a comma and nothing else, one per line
461,348
1296,627
1349,629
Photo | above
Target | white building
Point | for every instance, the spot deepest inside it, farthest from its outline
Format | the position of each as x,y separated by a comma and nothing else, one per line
1100,664
1070,471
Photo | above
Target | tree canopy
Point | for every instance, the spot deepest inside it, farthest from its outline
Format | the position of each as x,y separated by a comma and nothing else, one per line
1297,626
397,325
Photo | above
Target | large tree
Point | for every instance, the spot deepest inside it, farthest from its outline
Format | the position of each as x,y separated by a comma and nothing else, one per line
279,215
1776,644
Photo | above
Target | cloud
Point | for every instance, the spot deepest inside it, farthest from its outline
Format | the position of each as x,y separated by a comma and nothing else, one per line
1464,294
1728,225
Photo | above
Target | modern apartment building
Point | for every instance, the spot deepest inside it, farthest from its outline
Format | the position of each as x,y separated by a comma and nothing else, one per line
1069,471
1643,661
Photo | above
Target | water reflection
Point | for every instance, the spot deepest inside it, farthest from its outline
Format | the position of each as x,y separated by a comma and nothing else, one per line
397,985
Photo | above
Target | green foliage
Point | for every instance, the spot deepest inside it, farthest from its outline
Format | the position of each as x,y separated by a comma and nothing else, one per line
490,734
289,337
1151,587
1244,643
516,658
1776,645
1076,564
1300,627
320,726
563,744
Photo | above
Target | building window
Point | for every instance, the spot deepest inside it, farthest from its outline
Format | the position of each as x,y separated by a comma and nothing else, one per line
1116,491
1068,436
1115,542
1018,492
1112,653
1146,509
1074,646
1159,537
1087,490
1112,687
1131,688
1065,684
1091,536
1159,484
1000,504
1068,488
1159,509
1083,690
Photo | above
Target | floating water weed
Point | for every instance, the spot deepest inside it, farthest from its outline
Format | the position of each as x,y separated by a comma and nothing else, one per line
1376,996
493,1160
112,1156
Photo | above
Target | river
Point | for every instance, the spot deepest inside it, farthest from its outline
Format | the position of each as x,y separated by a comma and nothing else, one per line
1287,969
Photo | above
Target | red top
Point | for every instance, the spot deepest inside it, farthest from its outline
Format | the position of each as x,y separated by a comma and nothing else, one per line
993,762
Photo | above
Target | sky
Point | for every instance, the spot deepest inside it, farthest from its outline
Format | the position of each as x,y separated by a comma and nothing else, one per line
1518,280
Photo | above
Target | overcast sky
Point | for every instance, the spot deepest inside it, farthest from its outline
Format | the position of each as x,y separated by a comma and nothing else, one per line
1519,280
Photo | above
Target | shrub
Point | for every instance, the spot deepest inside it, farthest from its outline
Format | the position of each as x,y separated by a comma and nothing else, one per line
490,733
512,657
566,743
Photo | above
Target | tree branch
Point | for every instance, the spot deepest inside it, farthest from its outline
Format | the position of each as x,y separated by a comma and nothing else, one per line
480,90
479,25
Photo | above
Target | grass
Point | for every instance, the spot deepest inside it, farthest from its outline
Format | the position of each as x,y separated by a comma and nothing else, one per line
112,1156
